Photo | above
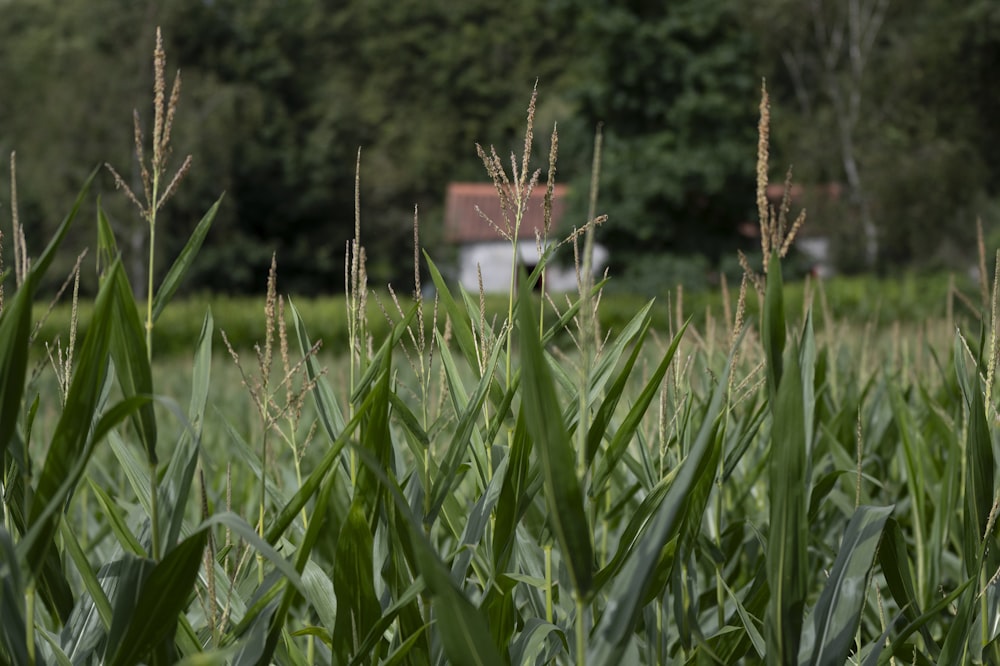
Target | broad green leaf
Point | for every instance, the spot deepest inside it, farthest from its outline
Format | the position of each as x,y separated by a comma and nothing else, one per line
128,351
532,639
124,578
243,529
357,605
328,409
377,630
93,586
895,566
117,521
882,657
378,360
164,595
787,563
311,484
15,328
13,625
460,328
835,619
172,280
175,489
747,621
71,443
402,654
567,516
601,423
515,497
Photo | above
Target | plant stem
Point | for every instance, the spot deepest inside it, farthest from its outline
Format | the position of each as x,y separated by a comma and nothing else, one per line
29,601
581,634
548,584
154,493
154,512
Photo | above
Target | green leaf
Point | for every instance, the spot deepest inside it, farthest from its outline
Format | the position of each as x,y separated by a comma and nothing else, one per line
72,443
614,631
786,557
460,328
835,619
357,604
895,566
979,467
128,351
470,413
175,488
377,630
163,596
601,423
462,627
626,431
13,626
749,626
172,280
567,516
86,573
107,247
317,524
15,329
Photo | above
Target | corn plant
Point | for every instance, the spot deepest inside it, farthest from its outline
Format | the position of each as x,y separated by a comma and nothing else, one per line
474,490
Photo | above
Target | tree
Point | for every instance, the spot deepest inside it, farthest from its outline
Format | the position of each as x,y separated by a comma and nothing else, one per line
675,87
897,88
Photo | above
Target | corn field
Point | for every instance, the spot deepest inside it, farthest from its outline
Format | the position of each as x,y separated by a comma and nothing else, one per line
470,489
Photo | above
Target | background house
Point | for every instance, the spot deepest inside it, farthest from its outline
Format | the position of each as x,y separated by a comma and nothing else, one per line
481,245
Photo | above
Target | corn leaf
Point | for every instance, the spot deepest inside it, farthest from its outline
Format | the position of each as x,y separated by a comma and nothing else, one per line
835,619
15,328
613,633
164,594
979,466
172,280
787,564
567,516
630,424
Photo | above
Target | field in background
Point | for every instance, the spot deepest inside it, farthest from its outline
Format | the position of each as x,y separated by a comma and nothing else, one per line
910,301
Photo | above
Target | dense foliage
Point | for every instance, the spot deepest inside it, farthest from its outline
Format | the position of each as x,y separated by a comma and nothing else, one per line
279,97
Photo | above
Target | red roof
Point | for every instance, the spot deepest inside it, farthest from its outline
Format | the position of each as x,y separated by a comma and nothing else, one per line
464,224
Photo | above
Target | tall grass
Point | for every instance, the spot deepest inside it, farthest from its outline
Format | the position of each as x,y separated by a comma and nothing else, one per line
475,490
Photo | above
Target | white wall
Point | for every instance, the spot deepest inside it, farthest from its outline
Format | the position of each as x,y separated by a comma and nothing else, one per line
494,259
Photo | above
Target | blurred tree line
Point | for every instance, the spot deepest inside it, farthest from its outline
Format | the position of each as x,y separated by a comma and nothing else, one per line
895,101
